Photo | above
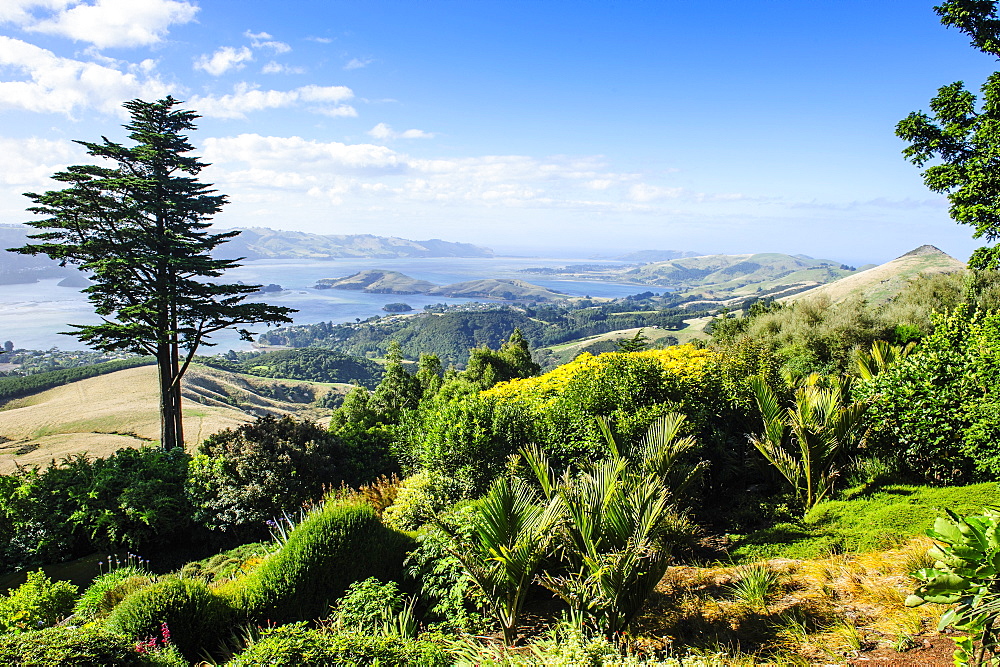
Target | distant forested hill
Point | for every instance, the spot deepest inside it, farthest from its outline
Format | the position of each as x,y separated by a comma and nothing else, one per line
264,243
451,334
312,364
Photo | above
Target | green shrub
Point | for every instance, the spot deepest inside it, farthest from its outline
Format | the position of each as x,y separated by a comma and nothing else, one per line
242,477
368,605
108,589
422,497
337,544
134,499
36,603
295,644
57,647
447,593
195,616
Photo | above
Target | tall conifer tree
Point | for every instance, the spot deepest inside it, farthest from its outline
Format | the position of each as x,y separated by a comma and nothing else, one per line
139,227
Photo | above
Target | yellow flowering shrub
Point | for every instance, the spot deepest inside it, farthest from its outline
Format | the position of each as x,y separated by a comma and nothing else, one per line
470,438
683,361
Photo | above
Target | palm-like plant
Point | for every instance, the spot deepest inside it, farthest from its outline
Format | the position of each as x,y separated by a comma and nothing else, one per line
882,356
804,441
616,514
512,531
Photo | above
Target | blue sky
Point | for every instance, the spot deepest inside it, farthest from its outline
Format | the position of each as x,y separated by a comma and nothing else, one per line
581,126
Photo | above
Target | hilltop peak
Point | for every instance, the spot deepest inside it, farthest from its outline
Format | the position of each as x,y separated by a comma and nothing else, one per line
925,249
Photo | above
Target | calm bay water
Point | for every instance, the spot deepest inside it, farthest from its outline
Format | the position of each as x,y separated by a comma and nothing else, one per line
32,315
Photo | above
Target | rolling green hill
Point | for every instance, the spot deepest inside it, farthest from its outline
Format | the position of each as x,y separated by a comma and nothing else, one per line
264,243
496,288
738,273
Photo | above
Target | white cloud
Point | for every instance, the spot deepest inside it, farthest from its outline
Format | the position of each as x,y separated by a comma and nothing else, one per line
263,40
358,63
295,154
642,192
321,40
383,132
223,60
62,85
20,11
246,98
277,68
30,162
370,174
113,23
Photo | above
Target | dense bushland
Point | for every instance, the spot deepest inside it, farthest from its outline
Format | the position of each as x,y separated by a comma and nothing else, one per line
313,364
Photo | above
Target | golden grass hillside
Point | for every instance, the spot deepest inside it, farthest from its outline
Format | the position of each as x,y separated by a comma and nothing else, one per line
882,282
102,414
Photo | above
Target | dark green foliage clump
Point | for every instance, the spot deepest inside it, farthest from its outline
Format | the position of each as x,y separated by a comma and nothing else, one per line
334,546
195,615
296,644
242,477
133,499
451,334
56,647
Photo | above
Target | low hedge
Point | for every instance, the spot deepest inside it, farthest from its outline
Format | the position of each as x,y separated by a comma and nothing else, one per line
295,644
68,646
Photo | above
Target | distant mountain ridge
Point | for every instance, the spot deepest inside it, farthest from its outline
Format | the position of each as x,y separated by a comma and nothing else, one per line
657,255
265,243
252,243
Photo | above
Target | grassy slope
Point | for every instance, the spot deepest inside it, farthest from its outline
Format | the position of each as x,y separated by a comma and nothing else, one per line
105,413
880,283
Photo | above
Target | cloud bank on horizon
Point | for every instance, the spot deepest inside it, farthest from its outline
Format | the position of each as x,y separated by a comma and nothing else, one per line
582,127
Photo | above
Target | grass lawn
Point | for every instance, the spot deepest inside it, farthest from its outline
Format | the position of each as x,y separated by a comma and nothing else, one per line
865,519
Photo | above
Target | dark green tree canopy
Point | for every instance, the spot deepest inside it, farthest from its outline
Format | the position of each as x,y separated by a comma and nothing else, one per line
138,225
963,134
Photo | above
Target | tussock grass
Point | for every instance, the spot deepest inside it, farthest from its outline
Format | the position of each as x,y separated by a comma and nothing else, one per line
826,610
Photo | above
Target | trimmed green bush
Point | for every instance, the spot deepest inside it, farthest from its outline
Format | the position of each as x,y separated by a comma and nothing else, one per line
56,647
195,616
295,644
336,545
